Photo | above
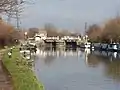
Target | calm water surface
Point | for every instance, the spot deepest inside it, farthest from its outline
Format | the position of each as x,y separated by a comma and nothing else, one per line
77,70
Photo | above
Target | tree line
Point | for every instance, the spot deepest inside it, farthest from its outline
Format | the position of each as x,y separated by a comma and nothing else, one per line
8,34
12,9
51,30
108,33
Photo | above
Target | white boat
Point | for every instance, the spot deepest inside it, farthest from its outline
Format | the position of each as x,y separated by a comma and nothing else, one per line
25,51
88,45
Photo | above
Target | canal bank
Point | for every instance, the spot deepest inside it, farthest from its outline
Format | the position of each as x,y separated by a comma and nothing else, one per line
5,79
22,76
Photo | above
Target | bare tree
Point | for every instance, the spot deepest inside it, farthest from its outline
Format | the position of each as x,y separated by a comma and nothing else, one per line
94,32
13,9
7,6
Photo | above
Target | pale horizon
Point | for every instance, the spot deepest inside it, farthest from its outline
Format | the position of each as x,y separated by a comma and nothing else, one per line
69,14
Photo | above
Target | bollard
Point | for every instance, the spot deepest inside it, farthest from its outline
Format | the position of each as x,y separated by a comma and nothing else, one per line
11,50
35,48
9,54
20,49
24,54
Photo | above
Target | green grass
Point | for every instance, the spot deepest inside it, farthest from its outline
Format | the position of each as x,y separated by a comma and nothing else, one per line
22,76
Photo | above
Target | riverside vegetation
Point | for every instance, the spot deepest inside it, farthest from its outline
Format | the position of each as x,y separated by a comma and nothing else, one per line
109,32
23,77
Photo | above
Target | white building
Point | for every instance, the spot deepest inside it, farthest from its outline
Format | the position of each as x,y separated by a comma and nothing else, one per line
41,35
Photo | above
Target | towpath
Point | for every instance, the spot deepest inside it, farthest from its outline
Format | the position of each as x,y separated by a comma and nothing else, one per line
5,79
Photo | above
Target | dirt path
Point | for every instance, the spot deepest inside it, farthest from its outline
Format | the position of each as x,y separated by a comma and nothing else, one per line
5,82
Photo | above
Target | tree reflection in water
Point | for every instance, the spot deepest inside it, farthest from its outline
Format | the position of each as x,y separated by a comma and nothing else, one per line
110,61
50,57
49,54
113,69
92,61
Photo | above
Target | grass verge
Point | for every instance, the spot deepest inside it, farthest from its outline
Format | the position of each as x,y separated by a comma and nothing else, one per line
23,77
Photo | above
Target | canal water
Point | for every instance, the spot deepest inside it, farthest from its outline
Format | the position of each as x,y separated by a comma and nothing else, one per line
77,69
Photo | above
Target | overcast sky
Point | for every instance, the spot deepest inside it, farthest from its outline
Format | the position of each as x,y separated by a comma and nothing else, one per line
69,14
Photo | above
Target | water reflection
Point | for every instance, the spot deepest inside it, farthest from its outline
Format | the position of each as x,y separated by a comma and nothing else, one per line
110,60
73,69
58,52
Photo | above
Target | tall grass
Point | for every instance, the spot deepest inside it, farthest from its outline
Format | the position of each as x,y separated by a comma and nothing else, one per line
22,76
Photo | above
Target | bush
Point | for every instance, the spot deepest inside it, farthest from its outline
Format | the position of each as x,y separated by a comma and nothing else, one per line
8,34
